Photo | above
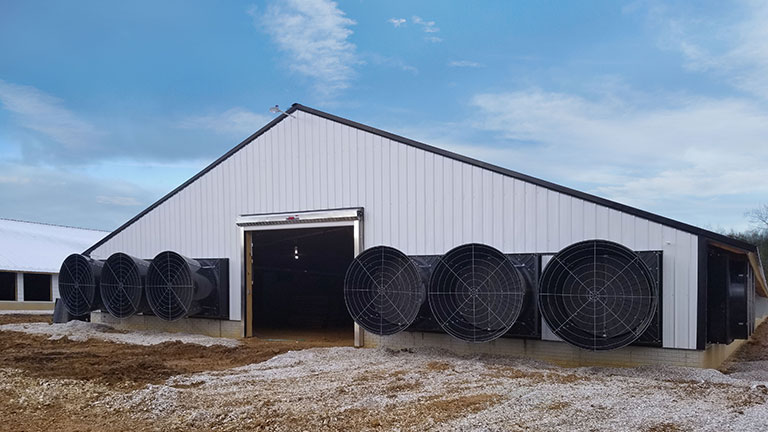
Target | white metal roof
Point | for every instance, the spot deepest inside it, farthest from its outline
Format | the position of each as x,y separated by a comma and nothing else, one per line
37,247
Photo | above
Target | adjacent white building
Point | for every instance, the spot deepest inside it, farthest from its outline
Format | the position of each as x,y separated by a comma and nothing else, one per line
30,257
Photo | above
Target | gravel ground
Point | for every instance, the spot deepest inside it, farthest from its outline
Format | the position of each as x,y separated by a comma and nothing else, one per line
342,388
366,389
82,331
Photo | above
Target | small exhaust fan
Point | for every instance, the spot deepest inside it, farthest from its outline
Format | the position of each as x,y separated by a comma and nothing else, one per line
383,290
597,295
475,293
122,285
176,286
79,279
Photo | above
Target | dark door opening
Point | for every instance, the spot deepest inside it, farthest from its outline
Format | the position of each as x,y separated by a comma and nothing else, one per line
298,283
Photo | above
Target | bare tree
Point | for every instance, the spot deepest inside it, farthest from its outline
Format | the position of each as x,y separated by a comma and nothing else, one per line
759,217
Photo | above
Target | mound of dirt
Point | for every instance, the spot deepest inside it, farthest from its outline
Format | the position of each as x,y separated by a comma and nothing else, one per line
131,366
756,349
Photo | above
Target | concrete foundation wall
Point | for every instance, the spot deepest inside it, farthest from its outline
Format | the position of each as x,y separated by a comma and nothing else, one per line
28,305
561,353
208,327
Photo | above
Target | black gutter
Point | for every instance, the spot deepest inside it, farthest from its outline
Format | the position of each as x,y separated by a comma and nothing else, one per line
503,171
543,183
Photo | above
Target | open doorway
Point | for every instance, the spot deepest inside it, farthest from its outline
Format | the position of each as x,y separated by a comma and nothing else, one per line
298,283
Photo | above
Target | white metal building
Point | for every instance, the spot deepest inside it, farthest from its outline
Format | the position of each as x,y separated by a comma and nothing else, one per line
30,256
311,169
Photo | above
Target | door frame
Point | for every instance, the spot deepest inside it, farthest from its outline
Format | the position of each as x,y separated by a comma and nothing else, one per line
248,223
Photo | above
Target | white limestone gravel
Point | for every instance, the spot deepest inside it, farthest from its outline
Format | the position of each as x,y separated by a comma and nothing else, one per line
82,331
359,389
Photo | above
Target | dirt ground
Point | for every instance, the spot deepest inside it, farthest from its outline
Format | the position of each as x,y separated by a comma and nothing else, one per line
131,366
756,349
93,368
23,318
273,384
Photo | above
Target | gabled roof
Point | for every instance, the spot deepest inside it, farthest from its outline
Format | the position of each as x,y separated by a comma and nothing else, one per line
746,247
38,247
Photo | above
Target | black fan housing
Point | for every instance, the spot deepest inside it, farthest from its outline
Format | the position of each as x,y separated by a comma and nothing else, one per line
383,290
122,285
175,286
475,293
597,295
79,279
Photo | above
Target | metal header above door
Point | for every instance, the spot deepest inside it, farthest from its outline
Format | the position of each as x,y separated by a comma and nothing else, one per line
304,217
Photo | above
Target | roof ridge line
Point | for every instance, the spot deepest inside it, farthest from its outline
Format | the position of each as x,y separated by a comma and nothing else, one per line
662,220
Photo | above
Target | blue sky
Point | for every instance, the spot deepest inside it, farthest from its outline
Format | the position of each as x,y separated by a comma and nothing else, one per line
105,106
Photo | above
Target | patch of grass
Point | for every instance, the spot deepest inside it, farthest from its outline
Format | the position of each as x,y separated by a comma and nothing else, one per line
438,366
665,427
557,406
504,372
397,387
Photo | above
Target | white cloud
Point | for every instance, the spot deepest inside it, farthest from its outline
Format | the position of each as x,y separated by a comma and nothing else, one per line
427,26
465,64
235,122
393,62
688,148
315,35
70,197
737,52
397,22
13,180
41,129
40,112
118,200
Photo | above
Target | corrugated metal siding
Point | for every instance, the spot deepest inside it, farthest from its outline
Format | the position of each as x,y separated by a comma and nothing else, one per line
416,201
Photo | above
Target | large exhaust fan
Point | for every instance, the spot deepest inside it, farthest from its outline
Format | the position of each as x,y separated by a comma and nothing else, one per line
122,285
177,286
597,295
383,290
79,278
476,294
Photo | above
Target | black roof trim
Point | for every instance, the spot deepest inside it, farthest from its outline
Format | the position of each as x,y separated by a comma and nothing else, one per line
543,183
503,171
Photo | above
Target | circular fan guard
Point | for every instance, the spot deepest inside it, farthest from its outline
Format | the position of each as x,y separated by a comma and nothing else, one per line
383,290
122,285
79,284
597,295
475,293
171,286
